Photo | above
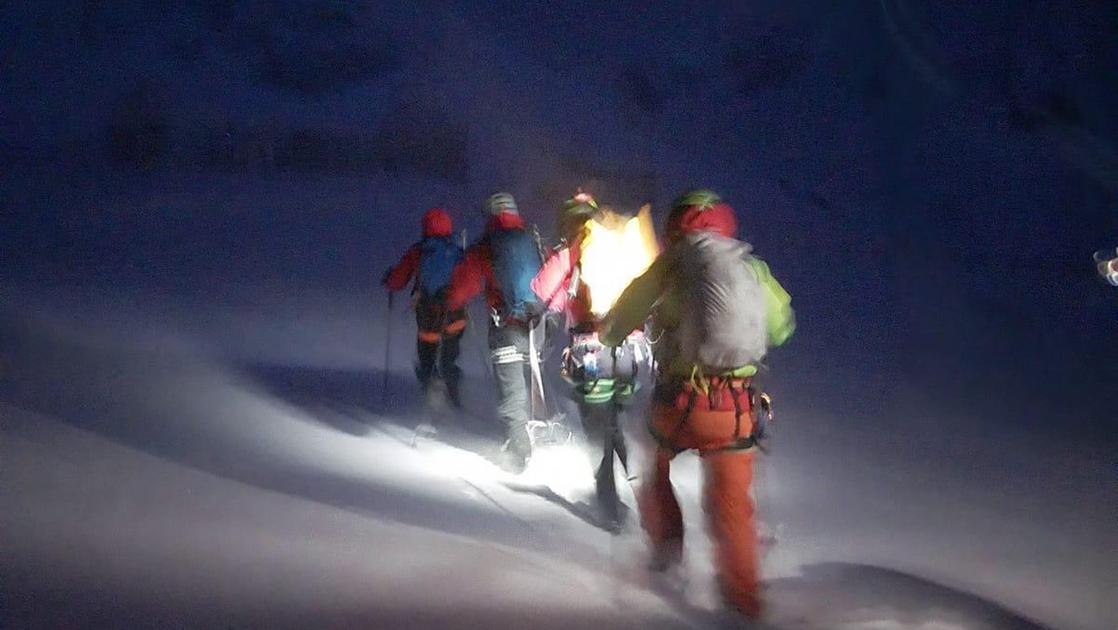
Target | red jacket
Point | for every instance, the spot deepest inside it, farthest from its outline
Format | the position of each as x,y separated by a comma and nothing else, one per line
553,284
475,272
399,276
436,222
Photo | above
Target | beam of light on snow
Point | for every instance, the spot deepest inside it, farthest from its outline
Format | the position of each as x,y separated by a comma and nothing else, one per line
564,469
449,462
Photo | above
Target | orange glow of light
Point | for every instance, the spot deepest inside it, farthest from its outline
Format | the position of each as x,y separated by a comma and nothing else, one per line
615,250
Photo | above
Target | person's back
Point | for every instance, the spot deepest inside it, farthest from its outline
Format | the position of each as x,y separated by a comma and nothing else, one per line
430,262
603,251
503,263
718,310
489,261
438,255
514,260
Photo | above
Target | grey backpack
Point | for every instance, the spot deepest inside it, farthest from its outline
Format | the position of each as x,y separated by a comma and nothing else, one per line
722,303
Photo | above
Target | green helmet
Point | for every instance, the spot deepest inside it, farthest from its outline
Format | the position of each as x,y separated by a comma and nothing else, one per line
702,197
574,212
581,204
501,202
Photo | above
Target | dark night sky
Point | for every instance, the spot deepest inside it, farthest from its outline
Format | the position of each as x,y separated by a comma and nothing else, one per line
928,181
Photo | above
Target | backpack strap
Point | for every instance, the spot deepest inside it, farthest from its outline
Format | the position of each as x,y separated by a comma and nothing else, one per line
712,387
701,382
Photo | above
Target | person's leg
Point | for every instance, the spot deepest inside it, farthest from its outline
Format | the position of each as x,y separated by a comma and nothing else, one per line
660,515
729,507
508,350
619,445
427,342
426,352
599,423
624,375
448,360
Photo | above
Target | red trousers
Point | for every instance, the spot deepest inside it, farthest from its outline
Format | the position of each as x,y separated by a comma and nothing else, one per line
727,476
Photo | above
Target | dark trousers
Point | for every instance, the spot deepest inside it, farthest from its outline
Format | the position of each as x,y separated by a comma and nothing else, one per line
437,346
508,352
604,439
604,379
441,358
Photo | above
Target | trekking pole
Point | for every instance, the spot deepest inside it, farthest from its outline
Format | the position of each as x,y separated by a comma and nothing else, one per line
538,396
763,487
387,351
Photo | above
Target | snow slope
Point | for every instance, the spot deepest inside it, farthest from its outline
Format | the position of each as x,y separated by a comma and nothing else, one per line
928,194
102,535
149,484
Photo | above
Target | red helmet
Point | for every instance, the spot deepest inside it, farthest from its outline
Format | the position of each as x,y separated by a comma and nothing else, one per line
701,210
436,222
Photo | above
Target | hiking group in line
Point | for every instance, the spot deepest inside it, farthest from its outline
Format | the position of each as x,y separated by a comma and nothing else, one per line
696,309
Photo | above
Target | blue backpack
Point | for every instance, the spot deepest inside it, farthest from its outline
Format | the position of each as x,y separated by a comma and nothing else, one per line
438,256
516,261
